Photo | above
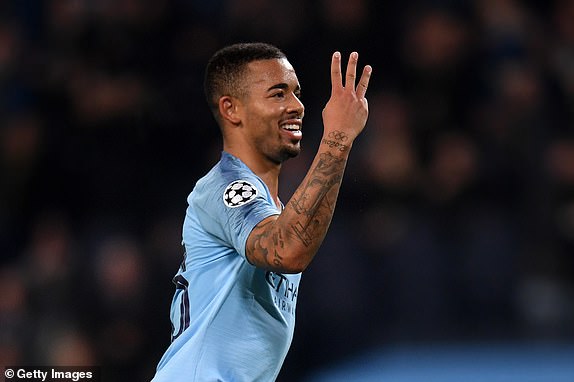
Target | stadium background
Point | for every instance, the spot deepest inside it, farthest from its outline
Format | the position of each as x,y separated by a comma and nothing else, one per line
455,224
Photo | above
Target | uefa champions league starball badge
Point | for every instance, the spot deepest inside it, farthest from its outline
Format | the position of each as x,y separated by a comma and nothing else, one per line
239,193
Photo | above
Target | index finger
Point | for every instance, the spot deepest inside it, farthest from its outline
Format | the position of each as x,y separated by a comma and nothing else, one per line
336,77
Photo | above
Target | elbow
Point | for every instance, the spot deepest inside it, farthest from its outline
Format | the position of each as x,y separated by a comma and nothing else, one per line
294,267
297,262
273,248
282,263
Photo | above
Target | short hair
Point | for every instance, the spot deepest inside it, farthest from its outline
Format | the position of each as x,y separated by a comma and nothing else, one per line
225,70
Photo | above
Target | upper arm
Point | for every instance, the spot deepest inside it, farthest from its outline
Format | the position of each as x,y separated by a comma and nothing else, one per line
266,245
258,251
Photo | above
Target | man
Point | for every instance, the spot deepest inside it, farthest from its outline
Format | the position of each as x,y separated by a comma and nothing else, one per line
233,312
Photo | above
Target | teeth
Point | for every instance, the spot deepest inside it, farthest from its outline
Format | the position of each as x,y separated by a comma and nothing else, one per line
291,127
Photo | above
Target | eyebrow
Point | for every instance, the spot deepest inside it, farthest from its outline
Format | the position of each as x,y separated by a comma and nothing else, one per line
283,86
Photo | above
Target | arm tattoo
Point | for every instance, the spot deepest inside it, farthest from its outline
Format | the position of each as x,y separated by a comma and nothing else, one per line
278,243
305,233
260,242
314,197
327,173
336,139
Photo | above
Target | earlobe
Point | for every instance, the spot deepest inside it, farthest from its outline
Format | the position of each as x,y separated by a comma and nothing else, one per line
228,108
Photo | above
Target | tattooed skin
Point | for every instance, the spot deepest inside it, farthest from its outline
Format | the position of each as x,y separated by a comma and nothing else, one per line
327,173
336,140
278,243
259,243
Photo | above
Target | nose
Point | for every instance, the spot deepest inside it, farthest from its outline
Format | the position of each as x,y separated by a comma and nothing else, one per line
296,106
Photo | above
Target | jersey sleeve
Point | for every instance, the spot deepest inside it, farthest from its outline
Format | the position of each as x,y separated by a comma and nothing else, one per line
231,211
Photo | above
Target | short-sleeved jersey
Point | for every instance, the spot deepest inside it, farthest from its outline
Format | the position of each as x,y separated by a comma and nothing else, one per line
231,321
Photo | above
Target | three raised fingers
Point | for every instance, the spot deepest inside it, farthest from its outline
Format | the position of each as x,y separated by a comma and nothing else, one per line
350,75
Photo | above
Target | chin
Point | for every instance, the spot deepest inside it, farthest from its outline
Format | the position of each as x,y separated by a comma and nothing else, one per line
289,152
292,152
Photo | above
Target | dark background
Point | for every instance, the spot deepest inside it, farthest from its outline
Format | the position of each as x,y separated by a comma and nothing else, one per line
455,222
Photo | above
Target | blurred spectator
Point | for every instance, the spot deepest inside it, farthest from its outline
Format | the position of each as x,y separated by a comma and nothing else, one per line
14,317
117,313
50,263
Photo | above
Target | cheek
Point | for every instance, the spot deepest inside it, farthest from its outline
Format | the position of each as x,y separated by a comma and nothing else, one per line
264,114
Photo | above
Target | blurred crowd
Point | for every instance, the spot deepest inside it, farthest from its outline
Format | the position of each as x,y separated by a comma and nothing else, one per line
456,217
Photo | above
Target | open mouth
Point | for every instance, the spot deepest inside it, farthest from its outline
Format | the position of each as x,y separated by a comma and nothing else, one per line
291,127
294,129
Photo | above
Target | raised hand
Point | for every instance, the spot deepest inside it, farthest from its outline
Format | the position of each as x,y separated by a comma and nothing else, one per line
347,110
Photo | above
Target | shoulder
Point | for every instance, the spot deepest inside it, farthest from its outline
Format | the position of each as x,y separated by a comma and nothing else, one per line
229,183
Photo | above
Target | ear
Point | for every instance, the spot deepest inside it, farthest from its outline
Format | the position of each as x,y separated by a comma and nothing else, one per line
229,109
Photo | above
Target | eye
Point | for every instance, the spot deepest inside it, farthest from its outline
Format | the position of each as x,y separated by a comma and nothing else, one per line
279,94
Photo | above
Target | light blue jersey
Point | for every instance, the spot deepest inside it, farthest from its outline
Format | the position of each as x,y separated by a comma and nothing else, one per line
230,320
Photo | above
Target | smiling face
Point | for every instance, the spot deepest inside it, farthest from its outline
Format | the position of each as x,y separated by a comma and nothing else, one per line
272,113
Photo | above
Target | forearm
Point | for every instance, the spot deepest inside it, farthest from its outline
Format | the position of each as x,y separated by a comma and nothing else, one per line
289,242
310,210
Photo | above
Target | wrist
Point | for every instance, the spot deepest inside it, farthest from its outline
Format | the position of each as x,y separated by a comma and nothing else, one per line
335,145
337,140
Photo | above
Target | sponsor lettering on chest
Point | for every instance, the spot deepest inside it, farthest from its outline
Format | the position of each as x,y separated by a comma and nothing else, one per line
285,291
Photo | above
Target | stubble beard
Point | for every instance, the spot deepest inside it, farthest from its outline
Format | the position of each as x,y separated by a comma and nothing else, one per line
285,152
